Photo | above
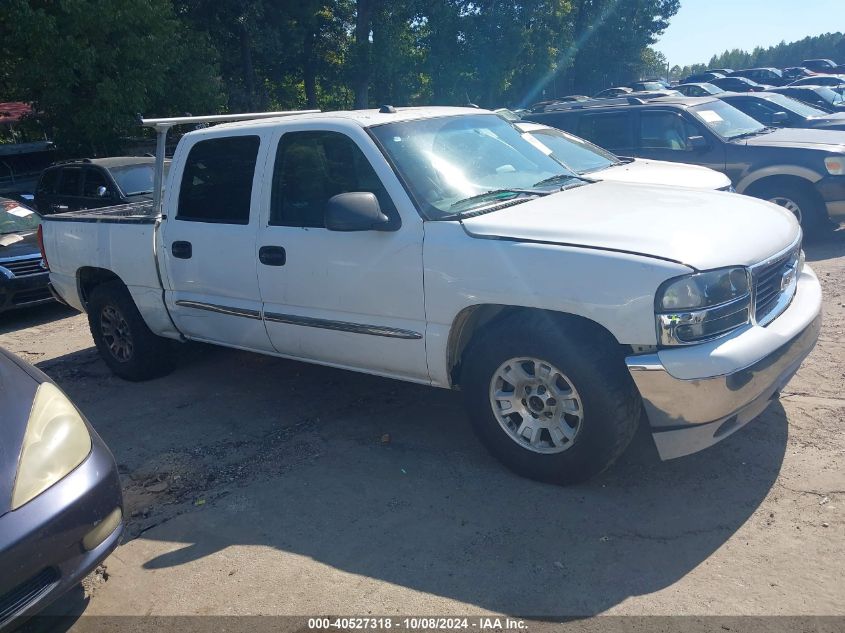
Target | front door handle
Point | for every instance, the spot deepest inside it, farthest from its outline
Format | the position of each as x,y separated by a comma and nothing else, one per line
181,250
272,255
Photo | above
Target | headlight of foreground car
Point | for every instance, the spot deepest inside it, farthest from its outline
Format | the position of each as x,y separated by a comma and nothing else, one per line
56,441
835,165
703,306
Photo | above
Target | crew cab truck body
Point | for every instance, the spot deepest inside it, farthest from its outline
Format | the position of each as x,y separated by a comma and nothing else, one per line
437,245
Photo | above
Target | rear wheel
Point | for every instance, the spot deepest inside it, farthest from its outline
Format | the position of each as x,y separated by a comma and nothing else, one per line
124,341
551,398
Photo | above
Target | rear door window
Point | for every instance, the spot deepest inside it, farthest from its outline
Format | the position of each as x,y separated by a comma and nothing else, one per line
612,131
71,181
217,180
48,182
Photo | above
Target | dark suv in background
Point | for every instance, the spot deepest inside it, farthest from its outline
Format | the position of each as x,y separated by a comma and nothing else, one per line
800,169
93,183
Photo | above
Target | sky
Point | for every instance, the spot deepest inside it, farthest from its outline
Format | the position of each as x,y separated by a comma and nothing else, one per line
702,28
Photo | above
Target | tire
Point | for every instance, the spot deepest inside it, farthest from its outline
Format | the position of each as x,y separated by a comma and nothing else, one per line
588,361
122,337
800,200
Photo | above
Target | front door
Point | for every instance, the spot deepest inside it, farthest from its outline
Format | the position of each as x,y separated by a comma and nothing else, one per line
209,246
351,299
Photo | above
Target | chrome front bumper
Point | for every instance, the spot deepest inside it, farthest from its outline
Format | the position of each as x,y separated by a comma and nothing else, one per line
689,413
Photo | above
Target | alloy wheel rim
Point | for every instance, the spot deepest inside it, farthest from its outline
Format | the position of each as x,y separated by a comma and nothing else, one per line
536,405
789,204
116,334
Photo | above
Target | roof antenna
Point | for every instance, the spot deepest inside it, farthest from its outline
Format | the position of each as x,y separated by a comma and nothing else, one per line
469,104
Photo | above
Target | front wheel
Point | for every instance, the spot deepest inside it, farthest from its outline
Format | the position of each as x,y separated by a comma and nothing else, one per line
124,341
801,202
550,397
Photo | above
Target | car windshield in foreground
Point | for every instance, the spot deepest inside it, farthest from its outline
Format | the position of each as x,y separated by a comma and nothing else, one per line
572,152
726,121
16,218
793,105
456,164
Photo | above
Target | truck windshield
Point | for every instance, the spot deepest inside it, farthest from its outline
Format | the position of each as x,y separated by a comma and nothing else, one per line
134,180
15,218
793,105
574,153
449,162
725,120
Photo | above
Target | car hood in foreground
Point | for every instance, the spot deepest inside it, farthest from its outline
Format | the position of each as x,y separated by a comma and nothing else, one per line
658,172
17,390
801,137
702,229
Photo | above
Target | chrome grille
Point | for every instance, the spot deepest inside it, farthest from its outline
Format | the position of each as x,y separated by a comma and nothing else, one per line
24,267
774,284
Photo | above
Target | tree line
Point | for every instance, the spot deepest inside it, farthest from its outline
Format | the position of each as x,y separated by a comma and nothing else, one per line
88,66
783,55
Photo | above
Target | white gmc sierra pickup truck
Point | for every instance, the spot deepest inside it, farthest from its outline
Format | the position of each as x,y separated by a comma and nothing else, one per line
437,245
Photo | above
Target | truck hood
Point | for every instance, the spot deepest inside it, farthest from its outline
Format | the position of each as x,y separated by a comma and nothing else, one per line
658,172
830,140
702,229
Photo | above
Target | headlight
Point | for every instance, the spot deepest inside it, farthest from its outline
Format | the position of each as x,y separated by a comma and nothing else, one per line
702,306
56,441
835,165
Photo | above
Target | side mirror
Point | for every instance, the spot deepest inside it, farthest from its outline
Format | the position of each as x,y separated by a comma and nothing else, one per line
355,211
102,192
696,143
779,118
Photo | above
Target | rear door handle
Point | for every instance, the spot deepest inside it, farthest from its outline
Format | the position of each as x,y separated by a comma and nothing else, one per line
181,250
272,255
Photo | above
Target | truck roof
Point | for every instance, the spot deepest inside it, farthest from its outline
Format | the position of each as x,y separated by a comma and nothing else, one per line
363,118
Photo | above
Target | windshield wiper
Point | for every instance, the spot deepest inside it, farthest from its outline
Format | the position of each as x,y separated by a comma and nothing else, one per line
557,178
499,192
764,130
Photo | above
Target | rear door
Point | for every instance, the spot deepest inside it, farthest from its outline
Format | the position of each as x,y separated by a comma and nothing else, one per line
664,134
352,299
209,240
69,193
613,131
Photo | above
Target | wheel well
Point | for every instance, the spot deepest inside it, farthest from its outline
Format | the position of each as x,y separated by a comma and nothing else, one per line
472,321
89,278
758,187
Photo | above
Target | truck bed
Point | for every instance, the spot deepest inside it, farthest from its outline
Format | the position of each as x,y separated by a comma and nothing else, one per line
133,213
119,240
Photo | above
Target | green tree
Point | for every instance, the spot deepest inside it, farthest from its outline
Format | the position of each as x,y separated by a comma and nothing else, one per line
827,45
88,78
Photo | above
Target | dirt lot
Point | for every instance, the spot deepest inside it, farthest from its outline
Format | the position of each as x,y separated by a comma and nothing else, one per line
264,486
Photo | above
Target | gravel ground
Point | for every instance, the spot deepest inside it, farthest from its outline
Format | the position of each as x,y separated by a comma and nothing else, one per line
264,486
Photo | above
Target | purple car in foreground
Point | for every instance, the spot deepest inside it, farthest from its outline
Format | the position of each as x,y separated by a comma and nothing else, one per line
61,508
